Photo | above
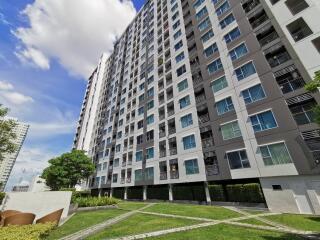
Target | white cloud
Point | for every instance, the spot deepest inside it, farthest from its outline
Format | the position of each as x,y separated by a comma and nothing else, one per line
75,32
4,86
17,98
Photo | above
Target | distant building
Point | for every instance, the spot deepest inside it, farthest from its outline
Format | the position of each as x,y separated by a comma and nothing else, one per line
38,184
9,160
20,188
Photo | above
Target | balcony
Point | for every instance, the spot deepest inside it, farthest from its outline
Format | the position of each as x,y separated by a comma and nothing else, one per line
289,79
122,180
258,19
170,109
267,36
302,111
203,114
197,78
128,180
211,163
174,169
277,56
200,95
249,5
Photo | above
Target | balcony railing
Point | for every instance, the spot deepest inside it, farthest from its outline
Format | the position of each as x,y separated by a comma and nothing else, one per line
204,118
251,6
129,163
172,130
174,175
163,154
173,151
268,39
128,180
170,112
208,142
259,21
162,134
279,59
163,176
290,84
200,98
122,181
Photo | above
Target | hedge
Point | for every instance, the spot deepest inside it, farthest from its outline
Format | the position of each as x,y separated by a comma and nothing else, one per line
189,192
95,201
158,192
26,232
216,193
250,192
135,193
118,193
2,195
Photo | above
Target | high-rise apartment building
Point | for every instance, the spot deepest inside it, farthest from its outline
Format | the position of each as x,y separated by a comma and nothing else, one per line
9,160
209,91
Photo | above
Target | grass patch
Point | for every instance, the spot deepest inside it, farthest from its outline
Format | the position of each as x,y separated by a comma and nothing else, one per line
226,232
127,205
83,220
302,222
254,212
211,212
141,223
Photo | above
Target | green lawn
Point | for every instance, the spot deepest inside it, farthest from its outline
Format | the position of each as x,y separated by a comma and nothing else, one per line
253,222
227,232
127,205
83,220
302,222
141,223
211,212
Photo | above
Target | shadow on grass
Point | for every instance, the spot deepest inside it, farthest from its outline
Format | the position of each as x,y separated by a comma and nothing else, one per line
316,219
291,237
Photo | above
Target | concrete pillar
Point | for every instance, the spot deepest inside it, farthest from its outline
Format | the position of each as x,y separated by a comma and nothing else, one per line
206,189
125,193
99,192
145,193
170,193
111,192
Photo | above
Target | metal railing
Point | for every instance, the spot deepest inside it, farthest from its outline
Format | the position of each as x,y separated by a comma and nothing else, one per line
163,176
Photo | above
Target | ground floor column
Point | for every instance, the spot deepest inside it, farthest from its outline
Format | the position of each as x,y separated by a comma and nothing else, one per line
170,193
145,193
111,192
125,193
206,189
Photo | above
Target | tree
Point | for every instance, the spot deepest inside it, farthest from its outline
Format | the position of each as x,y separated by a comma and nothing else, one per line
7,135
68,170
314,86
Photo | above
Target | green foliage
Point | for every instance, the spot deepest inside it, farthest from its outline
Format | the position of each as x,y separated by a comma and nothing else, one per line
95,201
314,86
76,194
189,192
26,232
118,193
135,193
68,170
6,133
245,193
216,193
160,192
2,195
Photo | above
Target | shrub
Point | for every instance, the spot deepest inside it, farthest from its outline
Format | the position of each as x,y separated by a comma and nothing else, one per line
216,193
135,193
250,192
76,194
26,232
95,201
2,195
190,192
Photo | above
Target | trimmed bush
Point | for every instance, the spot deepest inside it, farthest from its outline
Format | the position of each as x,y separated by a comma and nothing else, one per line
95,201
2,195
216,193
250,192
189,192
160,192
26,232
118,193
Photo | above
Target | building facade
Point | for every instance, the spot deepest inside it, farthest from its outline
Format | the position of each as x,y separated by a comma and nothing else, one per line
199,92
9,160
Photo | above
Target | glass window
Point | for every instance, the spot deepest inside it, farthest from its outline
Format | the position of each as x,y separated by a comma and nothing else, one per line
198,3
138,175
304,113
186,120
263,121
149,173
201,13
204,24
180,57
245,71
150,105
176,25
230,130
184,102
219,84
191,166
224,106
223,8
140,110
189,142
114,178
178,45
215,66
139,156
238,159
205,37
150,153
141,98
253,94
150,119
238,52
226,21
181,70
275,154
183,85
150,92
177,34
210,50
232,35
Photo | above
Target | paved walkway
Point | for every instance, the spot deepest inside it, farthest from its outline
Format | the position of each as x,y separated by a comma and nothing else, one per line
82,234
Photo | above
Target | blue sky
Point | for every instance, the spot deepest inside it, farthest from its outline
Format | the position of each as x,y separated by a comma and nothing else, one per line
46,53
